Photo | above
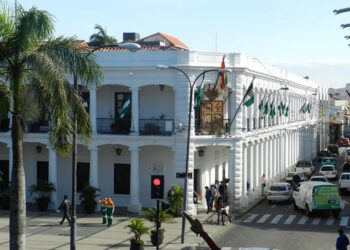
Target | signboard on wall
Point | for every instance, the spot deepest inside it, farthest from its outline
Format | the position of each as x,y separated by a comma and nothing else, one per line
183,174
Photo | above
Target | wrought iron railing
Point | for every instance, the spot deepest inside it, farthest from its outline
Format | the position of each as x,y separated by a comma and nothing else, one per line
112,126
37,126
4,125
156,126
217,127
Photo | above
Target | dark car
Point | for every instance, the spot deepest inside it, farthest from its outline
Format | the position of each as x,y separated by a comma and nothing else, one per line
333,149
322,154
346,167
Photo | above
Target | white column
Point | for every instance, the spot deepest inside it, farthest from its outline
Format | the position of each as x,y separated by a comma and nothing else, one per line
9,146
53,176
135,111
271,171
257,190
135,205
93,108
93,166
262,159
245,179
251,171
266,159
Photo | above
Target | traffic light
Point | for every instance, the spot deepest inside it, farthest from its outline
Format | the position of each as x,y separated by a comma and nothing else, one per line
157,186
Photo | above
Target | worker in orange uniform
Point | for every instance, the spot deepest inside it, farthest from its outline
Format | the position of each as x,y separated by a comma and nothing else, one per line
109,209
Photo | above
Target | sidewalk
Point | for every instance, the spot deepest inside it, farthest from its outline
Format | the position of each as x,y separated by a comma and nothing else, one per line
44,232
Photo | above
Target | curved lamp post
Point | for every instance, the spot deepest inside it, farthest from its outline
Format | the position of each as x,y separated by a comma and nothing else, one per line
132,47
191,84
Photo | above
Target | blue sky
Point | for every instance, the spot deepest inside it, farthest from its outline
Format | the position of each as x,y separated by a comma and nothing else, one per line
302,36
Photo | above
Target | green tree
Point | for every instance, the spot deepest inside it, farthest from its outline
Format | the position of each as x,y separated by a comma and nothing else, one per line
101,38
32,60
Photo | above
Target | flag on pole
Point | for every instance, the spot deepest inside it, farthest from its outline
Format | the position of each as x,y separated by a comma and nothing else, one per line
308,108
266,107
249,94
125,109
223,74
302,109
286,111
261,106
199,96
272,109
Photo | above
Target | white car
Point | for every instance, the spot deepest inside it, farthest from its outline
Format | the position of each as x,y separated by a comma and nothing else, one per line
329,171
344,182
318,178
280,192
290,176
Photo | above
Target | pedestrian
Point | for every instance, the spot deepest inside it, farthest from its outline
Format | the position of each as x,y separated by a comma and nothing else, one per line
103,210
263,184
65,207
216,185
208,198
109,210
342,241
219,205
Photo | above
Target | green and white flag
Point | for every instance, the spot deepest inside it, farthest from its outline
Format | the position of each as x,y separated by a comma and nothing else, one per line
308,108
125,109
249,94
272,109
261,106
302,109
286,111
199,96
281,108
266,108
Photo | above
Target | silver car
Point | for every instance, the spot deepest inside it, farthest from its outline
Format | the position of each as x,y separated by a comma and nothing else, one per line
279,192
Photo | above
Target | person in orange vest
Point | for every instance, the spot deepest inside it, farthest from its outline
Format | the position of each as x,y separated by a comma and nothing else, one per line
103,210
109,209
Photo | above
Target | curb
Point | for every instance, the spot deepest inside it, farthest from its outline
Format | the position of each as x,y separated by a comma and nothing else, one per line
243,212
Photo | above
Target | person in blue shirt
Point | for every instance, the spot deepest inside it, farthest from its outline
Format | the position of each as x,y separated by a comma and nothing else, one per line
342,241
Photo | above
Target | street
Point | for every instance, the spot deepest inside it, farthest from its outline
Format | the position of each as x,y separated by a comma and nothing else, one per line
279,226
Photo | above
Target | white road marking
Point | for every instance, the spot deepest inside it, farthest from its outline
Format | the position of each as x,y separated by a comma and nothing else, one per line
264,218
344,221
303,220
316,221
251,218
276,219
290,219
330,221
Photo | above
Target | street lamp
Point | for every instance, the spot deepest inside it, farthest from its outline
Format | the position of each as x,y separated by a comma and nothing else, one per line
191,84
132,47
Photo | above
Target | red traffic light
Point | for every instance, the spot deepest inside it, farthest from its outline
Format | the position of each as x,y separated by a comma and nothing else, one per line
156,181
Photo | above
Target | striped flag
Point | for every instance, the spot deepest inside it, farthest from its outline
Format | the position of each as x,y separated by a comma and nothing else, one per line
223,74
249,94
125,109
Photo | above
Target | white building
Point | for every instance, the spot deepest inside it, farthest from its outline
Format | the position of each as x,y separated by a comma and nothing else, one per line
151,139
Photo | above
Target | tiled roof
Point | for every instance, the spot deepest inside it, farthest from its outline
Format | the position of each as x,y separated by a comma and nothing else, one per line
143,48
176,42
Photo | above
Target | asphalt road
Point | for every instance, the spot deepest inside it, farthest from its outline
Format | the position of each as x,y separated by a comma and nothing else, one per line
279,226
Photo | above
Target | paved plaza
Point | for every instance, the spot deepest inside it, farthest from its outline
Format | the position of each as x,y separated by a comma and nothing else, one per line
44,232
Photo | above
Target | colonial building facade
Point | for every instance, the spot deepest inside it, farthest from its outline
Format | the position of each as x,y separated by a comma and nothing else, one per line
267,137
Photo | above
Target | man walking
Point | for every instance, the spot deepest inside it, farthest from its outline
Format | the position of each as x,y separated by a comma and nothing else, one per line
208,198
342,241
65,206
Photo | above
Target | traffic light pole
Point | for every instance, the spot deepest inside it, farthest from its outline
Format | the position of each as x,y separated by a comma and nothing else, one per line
158,224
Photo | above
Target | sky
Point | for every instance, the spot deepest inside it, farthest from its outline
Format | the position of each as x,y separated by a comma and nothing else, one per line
301,36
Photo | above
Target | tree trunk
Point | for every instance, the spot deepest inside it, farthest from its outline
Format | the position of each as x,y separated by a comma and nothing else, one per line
17,193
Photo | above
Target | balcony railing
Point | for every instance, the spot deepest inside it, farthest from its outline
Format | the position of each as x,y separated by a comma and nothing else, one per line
112,126
217,127
37,126
4,125
156,126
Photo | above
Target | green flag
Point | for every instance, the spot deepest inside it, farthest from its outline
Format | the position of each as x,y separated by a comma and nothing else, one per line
302,109
261,106
249,95
286,111
198,96
125,108
266,108
309,108
272,109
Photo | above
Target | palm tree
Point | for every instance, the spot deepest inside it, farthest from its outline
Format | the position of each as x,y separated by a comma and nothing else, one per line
31,60
101,38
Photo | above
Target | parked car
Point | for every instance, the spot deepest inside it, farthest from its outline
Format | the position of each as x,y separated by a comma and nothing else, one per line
344,142
347,155
346,167
293,176
317,196
280,192
328,161
344,182
322,154
318,177
329,171
333,149
305,167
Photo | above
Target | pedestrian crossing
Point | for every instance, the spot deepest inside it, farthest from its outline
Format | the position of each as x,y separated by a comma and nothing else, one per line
292,219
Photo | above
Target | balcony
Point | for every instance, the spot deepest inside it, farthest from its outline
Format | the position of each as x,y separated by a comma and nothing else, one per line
216,127
112,126
4,125
37,126
163,127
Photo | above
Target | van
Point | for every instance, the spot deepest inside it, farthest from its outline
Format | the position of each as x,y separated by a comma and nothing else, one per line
305,167
344,182
317,197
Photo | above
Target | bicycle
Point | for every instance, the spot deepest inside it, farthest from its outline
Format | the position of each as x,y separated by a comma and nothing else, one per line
225,215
